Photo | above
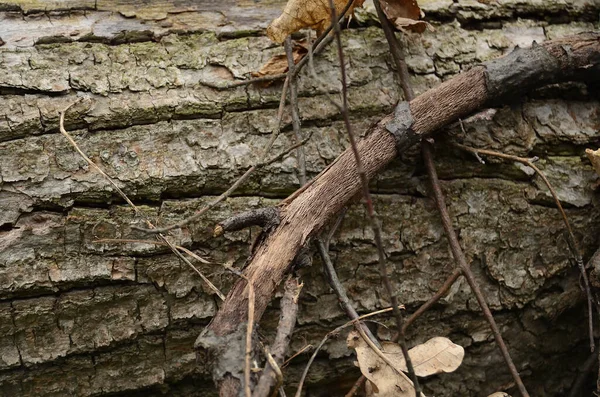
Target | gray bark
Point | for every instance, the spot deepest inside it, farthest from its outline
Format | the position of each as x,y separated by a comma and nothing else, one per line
82,318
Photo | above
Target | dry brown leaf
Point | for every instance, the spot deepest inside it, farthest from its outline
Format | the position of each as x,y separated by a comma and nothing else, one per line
411,25
278,63
405,9
383,380
299,14
594,156
403,14
435,356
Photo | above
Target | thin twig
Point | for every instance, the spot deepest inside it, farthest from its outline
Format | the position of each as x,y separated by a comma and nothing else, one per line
293,196
336,332
305,348
285,328
360,169
377,350
316,77
293,91
396,51
249,329
380,354
90,162
289,305
433,300
583,374
275,368
572,241
287,151
357,385
179,247
336,285
241,83
461,260
333,229
372,217
162,238
310,361
152,242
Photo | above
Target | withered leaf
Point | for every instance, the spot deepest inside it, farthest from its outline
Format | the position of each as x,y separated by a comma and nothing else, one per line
594,156
406,9
403,14
411,25
278,63
435,356
383,380
299,14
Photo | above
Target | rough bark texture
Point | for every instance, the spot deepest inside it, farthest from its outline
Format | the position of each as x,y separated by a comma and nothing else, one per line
312,208
81,318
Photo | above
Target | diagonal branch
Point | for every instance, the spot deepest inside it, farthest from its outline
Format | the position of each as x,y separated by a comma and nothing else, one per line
573,58
371,215
409,95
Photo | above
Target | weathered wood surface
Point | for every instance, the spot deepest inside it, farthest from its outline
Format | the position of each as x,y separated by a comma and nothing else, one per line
82,318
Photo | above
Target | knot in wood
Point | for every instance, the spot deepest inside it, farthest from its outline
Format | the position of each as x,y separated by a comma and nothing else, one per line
400,126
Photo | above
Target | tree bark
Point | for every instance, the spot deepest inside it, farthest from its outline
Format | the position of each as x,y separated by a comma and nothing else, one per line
83,318
576,57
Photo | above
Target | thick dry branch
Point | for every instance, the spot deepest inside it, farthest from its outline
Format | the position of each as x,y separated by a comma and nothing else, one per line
574,58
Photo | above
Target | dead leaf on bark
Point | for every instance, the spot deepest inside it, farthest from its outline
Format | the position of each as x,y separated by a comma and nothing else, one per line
382,379
435,356
278,63
594,156
385,382
300,14
411,25
405,15
406,9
